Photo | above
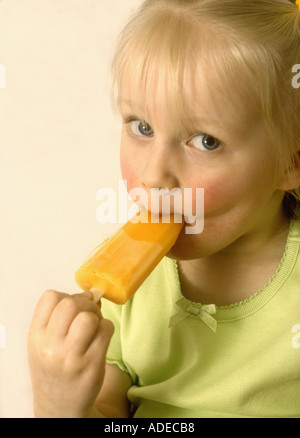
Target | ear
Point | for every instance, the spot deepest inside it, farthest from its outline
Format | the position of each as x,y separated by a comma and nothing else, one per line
291,179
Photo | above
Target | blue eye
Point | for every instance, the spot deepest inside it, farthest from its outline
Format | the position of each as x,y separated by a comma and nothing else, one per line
205,142
141,129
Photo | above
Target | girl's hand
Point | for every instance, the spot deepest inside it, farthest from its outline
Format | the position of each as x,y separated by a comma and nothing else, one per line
67,345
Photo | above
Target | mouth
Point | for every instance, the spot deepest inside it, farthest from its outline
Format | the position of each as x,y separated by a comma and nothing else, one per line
162,203
172,206
164,215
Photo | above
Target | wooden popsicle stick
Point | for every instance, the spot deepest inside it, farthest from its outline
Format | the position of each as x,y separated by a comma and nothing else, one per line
97,294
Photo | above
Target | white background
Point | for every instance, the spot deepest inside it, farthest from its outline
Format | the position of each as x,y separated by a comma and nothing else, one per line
59,144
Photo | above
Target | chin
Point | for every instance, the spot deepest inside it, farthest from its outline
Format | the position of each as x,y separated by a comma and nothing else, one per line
185,248
196,246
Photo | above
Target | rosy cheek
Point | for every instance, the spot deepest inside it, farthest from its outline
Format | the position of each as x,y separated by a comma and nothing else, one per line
220,197
212,196
127,172
215,195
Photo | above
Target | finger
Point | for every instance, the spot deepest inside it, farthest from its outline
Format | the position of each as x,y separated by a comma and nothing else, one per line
45,307
67,310
82,331
100,343
86,294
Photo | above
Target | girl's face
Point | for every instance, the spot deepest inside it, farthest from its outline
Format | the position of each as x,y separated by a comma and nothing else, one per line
223,150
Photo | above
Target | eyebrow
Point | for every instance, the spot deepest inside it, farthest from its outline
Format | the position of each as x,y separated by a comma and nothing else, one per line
195,120
129,103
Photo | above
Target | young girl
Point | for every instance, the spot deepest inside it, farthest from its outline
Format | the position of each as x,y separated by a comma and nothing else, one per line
205,91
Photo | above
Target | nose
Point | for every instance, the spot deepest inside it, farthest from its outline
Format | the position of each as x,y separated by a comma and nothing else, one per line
160,168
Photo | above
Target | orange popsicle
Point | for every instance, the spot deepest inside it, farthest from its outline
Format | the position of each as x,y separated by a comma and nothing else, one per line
117,268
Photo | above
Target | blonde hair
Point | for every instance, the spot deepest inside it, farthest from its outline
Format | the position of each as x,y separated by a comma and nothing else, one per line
257,41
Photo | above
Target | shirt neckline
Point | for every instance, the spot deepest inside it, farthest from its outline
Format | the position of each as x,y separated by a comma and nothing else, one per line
258,300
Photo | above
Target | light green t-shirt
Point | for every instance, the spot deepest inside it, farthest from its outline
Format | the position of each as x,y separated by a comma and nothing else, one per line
185,361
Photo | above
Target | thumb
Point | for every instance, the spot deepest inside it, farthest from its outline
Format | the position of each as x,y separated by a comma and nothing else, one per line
102,339
107,330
